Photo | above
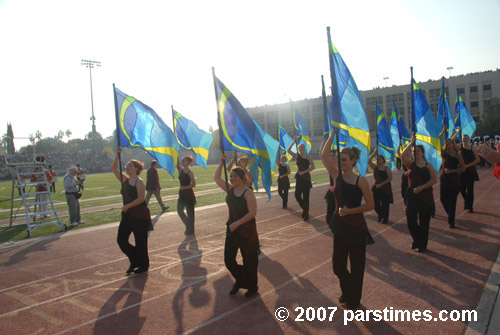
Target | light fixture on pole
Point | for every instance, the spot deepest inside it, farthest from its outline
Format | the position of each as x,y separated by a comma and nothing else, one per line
449,68
385,79
90,64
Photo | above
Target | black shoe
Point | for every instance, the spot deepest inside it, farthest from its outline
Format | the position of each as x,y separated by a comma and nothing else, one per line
352,307
385,220
421,249
131,269
141,269
413,246
234,290
452,226
342,299
379,219
306,217
251,292
471,211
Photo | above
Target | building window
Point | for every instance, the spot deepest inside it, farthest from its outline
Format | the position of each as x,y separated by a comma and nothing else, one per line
474,104
473,89
461,90
487,87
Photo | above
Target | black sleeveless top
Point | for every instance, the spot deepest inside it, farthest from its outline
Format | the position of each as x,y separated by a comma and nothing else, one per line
380,176
352,228
418,176
237,209
303,164
282,170
450,179
129,194
468,156
185,180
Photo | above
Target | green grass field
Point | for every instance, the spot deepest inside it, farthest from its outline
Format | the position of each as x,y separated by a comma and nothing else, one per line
104,189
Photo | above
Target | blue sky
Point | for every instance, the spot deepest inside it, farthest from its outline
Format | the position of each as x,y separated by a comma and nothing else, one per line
161,52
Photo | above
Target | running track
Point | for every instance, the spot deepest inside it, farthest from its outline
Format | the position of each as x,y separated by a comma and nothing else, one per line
74,282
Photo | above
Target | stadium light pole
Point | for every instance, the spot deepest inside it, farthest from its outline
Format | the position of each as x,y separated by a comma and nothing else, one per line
385,79
449,68
90,65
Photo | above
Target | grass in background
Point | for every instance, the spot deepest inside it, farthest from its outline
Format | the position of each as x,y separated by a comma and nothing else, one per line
106,186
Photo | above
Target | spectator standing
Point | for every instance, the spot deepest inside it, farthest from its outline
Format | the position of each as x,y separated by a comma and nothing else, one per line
72,196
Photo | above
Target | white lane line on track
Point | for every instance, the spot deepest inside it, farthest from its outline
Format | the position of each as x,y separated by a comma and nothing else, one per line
151,270
216,273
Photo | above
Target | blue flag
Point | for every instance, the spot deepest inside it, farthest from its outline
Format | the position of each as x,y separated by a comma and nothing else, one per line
347,103
444,118
426,131
384,139
399,133
141,127
241,133
300,128
190,137
463,118
285,140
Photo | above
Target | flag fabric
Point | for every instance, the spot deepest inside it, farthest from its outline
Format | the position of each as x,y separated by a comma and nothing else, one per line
385,148
399,133
141,127
241,133
426,131
190,137
300,128
463,118
285,140
347,107
444,118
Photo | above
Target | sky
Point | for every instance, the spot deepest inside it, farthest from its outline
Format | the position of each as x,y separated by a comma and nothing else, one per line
264,51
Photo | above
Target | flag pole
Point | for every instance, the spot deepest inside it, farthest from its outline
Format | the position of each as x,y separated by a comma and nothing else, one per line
412,113
296,139
117,118
175,134
221,147
336,102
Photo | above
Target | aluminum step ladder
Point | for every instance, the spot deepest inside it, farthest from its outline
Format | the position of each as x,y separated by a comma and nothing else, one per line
30,180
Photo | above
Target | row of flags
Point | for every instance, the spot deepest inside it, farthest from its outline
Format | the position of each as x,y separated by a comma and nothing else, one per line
139,126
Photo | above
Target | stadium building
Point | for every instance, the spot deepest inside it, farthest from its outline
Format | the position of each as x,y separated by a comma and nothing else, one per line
476,89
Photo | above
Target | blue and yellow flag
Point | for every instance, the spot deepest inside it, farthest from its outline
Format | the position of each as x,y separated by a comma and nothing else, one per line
444,118
140,127
241,133
463,118
384,139
399,133
300,128
190,137
285,141
347,103
426,131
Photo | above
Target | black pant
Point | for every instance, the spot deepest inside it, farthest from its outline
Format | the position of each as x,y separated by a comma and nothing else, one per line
188,219
283,186
246,274
351,283
467,191
302,190
449,195
418,216
330,206
138,254
382,202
